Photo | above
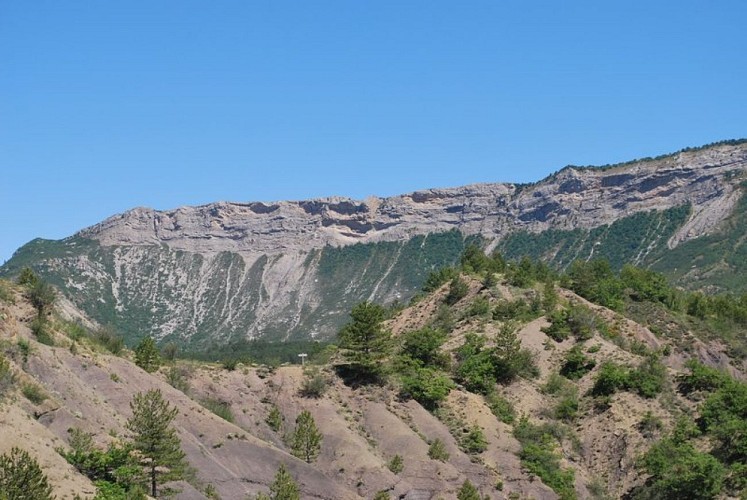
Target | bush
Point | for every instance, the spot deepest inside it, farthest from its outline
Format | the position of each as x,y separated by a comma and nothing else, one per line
701,378
34,393
479,307
40,329
474,441
229,364
679,470
501,408
424,345
426,386
610,379
275,419
218,407
538,456
108,338
649,378
6,294
576,364
147,355
178,377
7,379
314,384
22,478
42,296
396,464
468,492
650,425
437,451
436,279
458,289
567,408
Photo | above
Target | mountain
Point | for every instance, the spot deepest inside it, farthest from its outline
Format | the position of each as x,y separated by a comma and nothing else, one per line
551,432
292,269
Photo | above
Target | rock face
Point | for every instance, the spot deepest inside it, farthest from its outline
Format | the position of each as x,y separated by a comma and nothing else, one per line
292,269
571,198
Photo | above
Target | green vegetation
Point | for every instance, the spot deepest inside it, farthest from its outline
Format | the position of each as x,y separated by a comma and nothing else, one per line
315,383
396,464
648,379
576,364
284,487
365,342
473,441
33,393
115,471
155,439
468,492
6,293
218,407
501,407
538,456
21,478
147,355
307,440
437,450
7,379
575,320
458,289
275,419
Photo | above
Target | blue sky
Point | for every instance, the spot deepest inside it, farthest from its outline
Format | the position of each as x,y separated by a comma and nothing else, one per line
105,106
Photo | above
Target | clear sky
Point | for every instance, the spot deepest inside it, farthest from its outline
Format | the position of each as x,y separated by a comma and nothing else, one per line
105,106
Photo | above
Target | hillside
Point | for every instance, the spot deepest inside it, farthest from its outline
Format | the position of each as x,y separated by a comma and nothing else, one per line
291,270
535,434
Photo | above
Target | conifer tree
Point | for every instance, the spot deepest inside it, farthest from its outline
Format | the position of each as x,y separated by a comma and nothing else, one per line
365,341
21,478
147,356
468,491
155,439
307,440
284,487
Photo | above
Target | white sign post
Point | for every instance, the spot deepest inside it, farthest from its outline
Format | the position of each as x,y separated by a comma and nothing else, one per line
303,357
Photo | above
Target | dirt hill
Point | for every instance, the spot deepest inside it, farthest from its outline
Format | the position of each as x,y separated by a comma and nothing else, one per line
363,428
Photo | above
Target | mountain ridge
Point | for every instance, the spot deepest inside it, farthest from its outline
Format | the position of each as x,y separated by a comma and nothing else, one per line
291,270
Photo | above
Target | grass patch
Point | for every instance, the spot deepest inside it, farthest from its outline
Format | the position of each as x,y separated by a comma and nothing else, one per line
218,407
34,393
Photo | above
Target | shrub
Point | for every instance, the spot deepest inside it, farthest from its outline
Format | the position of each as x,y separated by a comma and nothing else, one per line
34,393
474,441
6,294
24,348
679,470
396,464
538,456
108,338
42,296
701,378
610,379
22,478
437,451
178,377
479,307
649,378
229,364
218,407
458,289
7,378
576,364
147,355
424,345
274,419
468,491
437,278
426,386
650,425
40,329
555,384
27,277
314,384
501,408
567,407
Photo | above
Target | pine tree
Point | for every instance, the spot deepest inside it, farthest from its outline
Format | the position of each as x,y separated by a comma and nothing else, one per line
155,439
21,478
147,356
284,487
468,492
365,341
307,440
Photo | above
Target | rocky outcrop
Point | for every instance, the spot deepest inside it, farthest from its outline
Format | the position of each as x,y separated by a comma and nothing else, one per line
572,198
